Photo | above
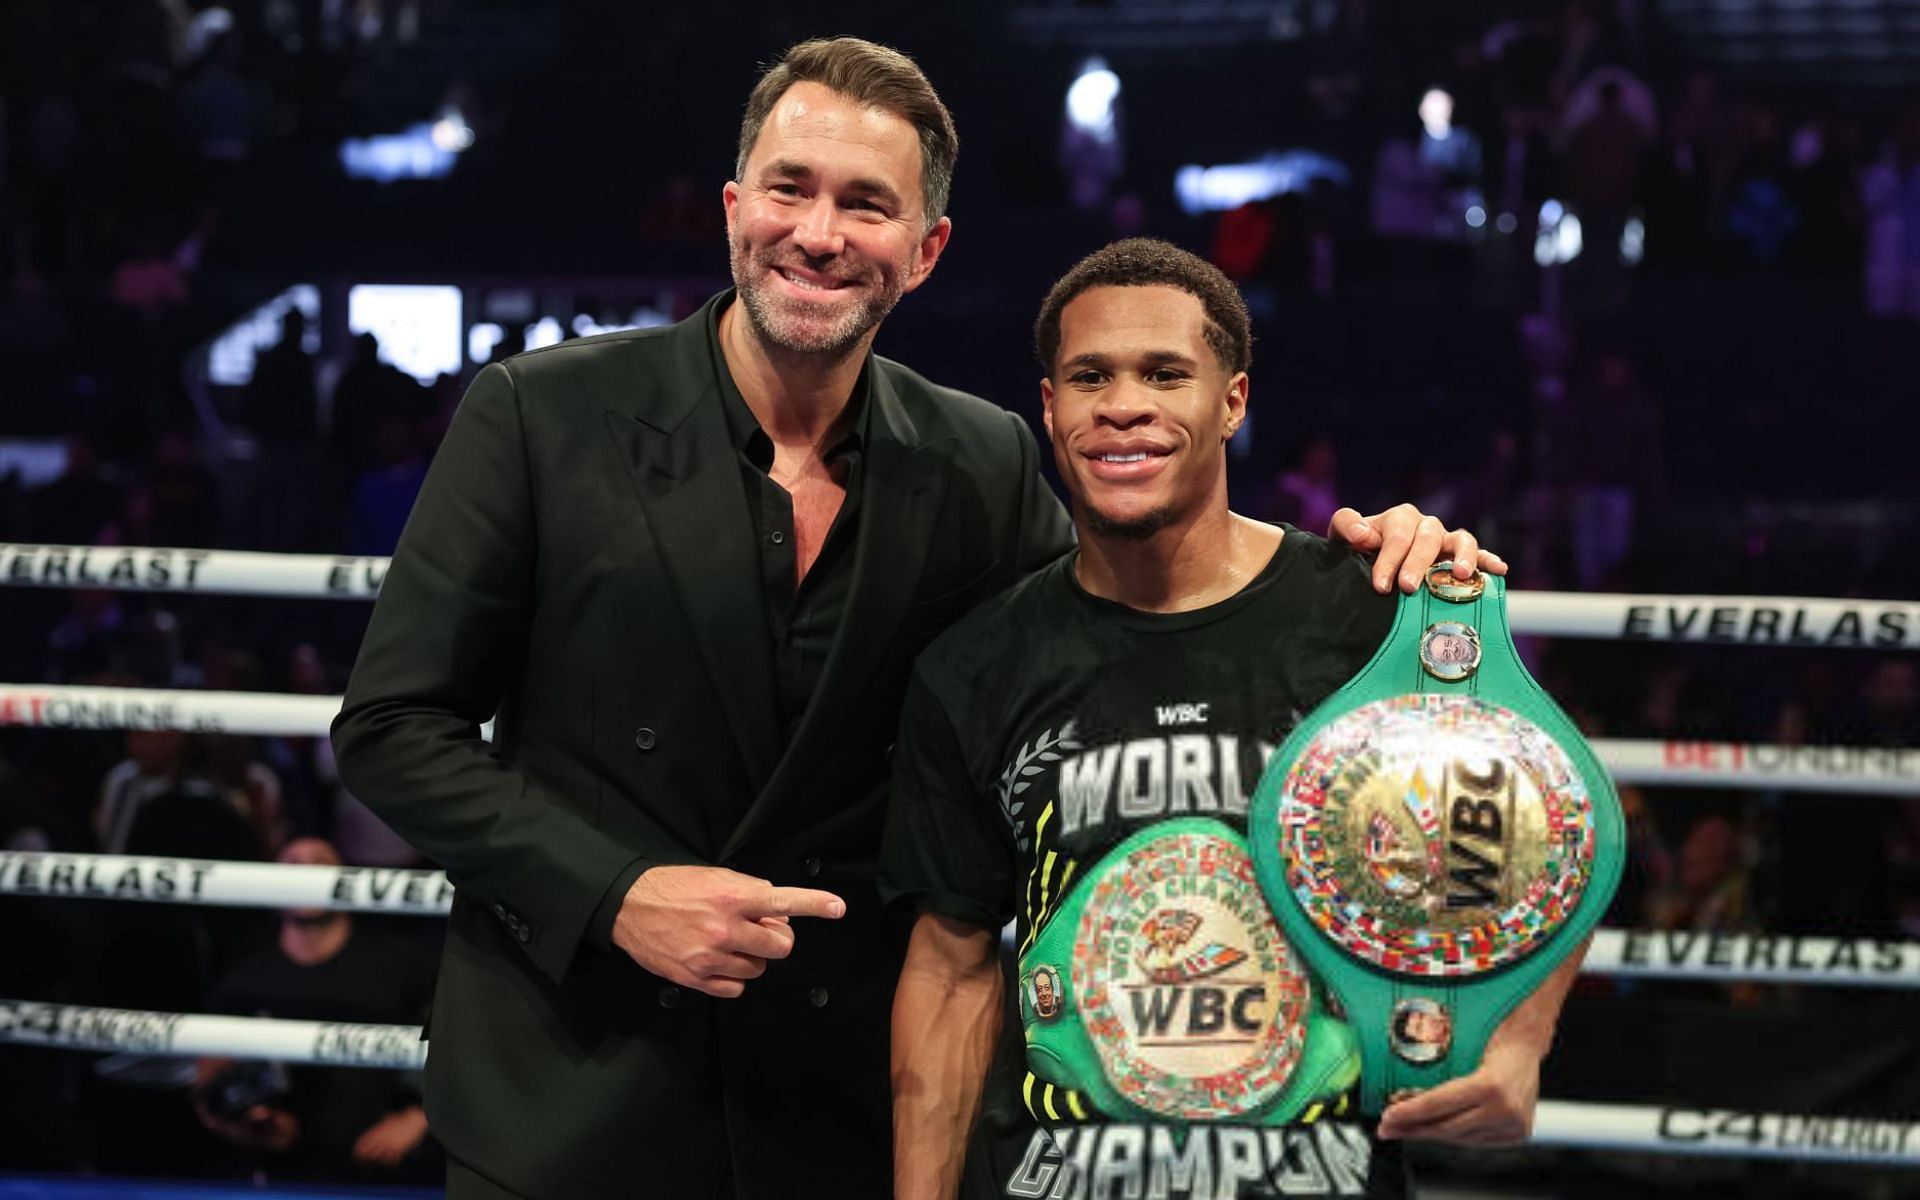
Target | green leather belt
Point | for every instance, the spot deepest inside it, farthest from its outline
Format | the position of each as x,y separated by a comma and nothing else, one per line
1435,838
1162,988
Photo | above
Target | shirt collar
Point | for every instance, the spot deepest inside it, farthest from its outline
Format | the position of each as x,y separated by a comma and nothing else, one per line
743,429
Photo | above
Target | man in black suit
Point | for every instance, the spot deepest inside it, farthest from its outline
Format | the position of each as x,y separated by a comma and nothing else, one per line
687,571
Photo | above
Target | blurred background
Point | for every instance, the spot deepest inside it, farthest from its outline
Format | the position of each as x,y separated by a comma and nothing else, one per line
1629,287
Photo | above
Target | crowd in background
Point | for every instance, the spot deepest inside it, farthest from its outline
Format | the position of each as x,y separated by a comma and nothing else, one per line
1714,395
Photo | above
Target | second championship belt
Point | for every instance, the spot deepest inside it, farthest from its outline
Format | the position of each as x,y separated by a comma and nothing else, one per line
1436,838
1163,990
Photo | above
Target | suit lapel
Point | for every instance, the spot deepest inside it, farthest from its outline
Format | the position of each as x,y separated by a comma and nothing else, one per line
905,480
686,474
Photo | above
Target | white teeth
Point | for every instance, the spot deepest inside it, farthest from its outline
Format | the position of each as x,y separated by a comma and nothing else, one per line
804,284
1124,458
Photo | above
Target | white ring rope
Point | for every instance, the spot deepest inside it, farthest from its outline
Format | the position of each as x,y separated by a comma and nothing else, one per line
193,1035
225,884
1652,954
1749,620
1859,770
1866,770
1556,1122
68,706
1717,620
210,572
1753,957
1727,1133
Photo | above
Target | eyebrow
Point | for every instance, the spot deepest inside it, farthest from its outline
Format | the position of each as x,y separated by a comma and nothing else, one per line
1152,358
788,168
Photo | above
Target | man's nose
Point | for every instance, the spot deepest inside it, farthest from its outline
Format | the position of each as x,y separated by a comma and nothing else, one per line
818,232
1124,405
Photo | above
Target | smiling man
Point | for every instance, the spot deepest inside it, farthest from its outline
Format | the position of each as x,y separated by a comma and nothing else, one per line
1132,691
689,570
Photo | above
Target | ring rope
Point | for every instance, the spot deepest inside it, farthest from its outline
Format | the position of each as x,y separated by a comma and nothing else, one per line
1752,620
1752,957
209,572
194,1035
1641,953
1863,770
1720,1132
1728,1133
226,884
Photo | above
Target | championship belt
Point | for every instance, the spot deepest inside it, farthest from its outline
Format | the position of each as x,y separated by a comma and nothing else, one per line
1163,989
1436,838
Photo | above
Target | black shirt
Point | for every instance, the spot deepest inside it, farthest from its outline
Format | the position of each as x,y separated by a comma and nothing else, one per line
381,976
803,615
1049,725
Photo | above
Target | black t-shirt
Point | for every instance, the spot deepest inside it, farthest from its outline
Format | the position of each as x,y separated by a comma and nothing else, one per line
1048,726
382,976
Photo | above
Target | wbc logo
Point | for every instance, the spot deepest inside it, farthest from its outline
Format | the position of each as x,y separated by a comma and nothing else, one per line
1192,996
1182,975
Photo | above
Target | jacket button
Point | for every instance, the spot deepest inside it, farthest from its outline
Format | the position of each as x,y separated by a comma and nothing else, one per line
523,933
669,997
500,910
817,997
811,865
644,738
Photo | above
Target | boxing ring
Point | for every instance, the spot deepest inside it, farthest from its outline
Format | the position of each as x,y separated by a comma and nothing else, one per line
1652,955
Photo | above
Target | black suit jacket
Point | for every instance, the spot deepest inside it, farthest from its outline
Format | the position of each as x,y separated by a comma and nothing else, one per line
581,563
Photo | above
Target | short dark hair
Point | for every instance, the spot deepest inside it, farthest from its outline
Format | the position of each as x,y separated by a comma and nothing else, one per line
1146,262
868,73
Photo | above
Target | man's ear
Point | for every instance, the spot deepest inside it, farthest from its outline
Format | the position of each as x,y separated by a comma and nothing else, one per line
928,252
1236,402
1046,405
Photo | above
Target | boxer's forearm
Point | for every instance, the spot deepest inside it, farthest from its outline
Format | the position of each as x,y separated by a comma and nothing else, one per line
1530,1026
946,1016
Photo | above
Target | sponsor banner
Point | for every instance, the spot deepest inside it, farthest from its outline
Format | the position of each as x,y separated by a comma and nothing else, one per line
1869,770
1725,620
213,572
61,706
231,884
1728,957
1724,1132
190,1035
258,714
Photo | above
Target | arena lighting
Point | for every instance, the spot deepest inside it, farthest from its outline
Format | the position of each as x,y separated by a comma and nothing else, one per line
418,326
231,356
545,332
1558,239
424,151
1633,242
451,131
33,462
208,26
481,340
1091,97
1218,189
1436,114
642,318
1476,216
